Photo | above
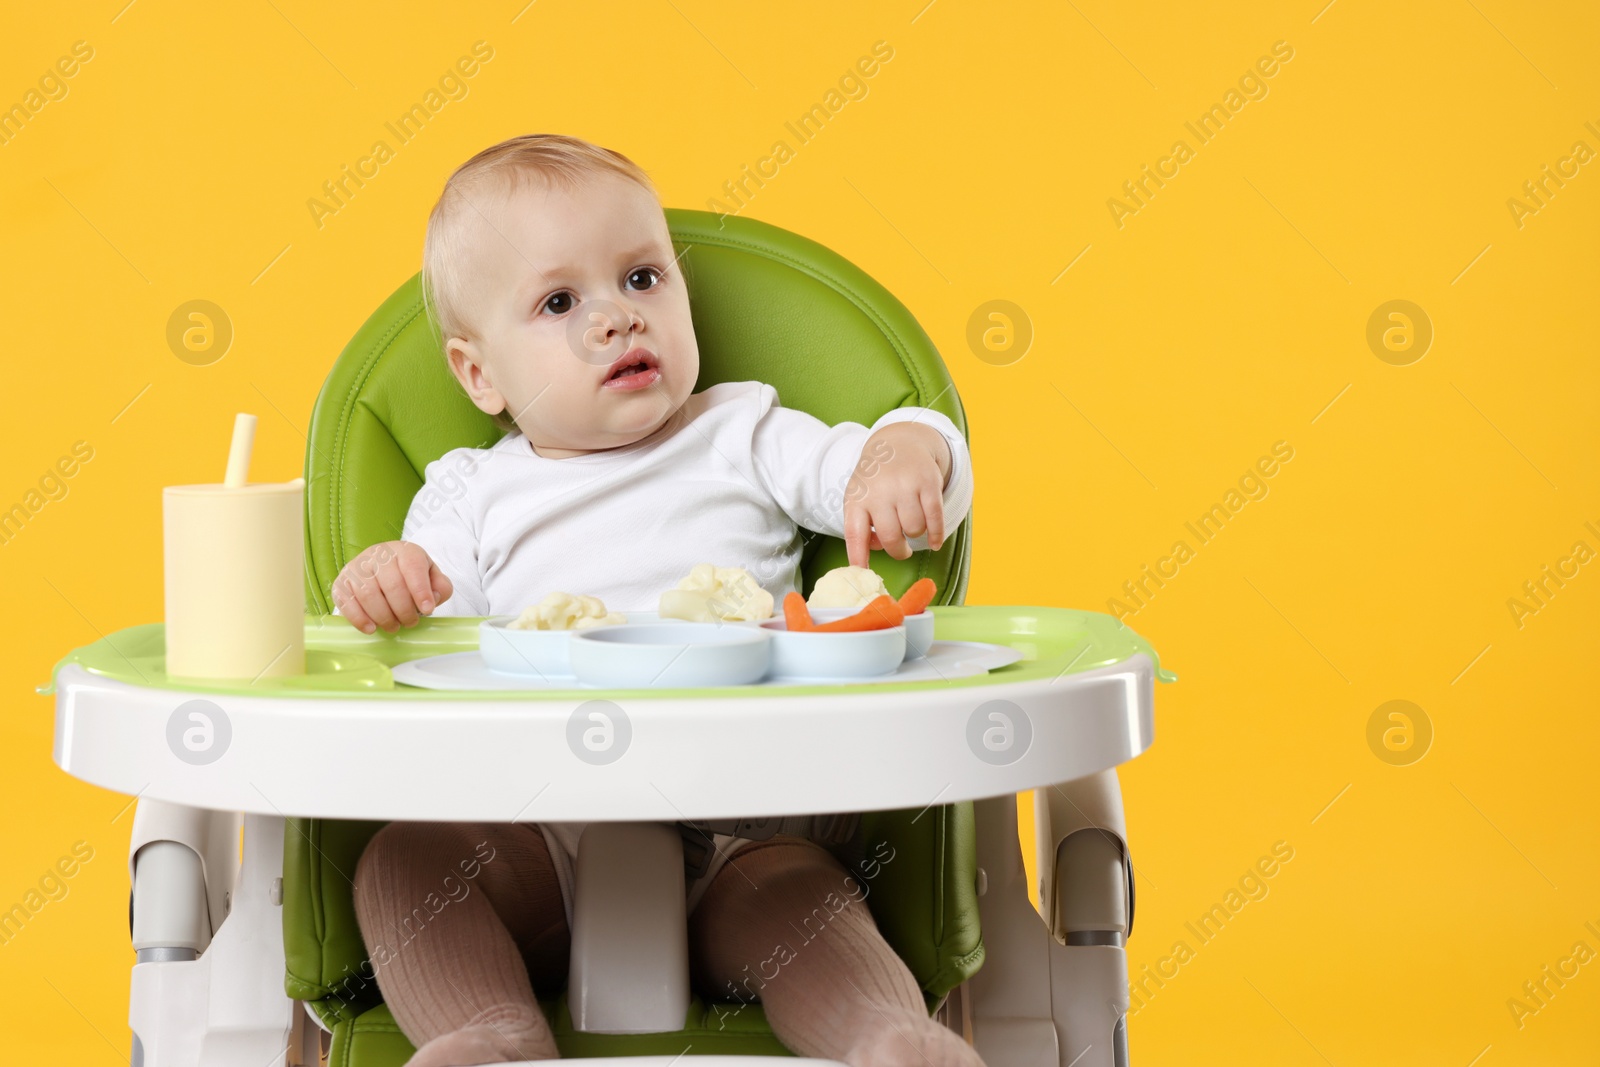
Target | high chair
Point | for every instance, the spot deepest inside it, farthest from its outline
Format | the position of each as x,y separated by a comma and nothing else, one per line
768,305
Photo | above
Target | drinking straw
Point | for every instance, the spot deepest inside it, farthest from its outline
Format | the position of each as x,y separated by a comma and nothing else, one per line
244,436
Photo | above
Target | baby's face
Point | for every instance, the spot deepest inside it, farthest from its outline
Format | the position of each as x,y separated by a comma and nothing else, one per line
569,283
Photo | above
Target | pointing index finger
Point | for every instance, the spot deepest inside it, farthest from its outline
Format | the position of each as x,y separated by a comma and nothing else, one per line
857,529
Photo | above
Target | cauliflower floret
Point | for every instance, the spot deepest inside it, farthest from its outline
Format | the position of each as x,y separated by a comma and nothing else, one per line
563,611
846,587
711,594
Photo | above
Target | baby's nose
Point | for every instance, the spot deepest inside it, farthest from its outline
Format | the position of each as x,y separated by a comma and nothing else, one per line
621,320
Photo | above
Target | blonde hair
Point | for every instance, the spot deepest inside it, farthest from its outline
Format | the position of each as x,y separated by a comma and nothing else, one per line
497,171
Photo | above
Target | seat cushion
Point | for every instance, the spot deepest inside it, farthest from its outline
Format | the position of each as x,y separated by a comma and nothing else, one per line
919,869
373,1039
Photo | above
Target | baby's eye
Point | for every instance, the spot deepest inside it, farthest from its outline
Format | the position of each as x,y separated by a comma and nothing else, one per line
558,303
651,276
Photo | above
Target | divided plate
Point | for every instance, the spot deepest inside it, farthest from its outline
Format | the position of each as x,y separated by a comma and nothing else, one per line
466,670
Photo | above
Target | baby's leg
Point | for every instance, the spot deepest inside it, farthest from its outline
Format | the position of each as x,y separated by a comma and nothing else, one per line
783,919
461,921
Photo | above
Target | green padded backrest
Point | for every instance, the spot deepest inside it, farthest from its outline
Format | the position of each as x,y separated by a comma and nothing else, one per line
768,305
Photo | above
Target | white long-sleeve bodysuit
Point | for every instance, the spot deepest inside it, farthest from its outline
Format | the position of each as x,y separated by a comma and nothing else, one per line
730,479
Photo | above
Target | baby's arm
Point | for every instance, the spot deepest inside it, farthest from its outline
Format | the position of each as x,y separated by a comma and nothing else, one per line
388,585
897,491
431,570
909,475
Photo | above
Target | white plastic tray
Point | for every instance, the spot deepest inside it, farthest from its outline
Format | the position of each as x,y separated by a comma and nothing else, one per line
466,670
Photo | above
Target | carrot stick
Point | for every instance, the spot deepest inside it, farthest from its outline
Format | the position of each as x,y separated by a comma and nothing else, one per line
880,614
916,599
796,616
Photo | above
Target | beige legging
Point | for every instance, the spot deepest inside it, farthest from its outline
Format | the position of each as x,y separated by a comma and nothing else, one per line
464,921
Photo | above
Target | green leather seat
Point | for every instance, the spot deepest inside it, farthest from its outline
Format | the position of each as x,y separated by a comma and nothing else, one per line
768,305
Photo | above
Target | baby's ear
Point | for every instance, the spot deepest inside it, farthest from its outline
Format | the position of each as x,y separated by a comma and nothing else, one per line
468,366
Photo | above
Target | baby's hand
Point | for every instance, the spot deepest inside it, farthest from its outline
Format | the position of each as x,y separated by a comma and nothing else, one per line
387,585
896,492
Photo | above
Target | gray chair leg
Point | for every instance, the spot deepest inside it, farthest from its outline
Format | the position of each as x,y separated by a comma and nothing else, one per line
1043,1000
201,996
1086,890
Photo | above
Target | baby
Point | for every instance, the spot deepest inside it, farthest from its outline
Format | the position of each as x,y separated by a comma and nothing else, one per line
563,313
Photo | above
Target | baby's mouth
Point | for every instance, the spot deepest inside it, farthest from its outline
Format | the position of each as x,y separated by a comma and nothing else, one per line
638,369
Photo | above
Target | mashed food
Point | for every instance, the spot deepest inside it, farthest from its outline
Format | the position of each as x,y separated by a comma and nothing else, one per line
564,611
846,587
716,594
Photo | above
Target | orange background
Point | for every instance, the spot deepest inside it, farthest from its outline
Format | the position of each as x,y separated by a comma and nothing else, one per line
1168,353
